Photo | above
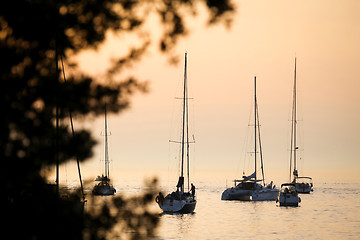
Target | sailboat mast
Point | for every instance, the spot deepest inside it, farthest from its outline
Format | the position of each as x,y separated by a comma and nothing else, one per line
183,124
187,131
73,134
295,120
293,130
255,108
107,173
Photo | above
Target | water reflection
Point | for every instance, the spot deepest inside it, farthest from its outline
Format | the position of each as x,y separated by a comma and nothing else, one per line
178,225
185,223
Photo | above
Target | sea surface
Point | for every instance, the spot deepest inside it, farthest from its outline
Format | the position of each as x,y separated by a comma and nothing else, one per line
331,211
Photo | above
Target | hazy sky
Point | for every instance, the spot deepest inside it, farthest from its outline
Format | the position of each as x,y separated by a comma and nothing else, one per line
263,41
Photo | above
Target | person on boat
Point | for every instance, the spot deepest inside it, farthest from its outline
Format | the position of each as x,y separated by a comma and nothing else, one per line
269,186
177,194
192,190
160,198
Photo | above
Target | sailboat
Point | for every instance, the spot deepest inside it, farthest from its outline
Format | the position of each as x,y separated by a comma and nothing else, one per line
104,187
302,184
249,188
180,201
288,196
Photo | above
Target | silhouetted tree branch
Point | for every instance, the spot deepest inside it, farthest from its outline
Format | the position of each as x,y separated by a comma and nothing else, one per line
33,36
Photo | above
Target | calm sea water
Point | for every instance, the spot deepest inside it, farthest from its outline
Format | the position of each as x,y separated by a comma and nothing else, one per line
332,211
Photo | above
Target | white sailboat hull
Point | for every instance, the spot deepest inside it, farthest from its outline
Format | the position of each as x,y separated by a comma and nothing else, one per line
288,199
303,187
236,194
265,195
250,195
178,206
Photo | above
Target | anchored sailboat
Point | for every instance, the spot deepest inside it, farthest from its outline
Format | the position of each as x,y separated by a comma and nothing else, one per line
104,187
181,201
302,184
288,196
249,188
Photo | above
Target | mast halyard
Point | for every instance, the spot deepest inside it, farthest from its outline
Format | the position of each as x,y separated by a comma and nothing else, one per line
187,127
260,147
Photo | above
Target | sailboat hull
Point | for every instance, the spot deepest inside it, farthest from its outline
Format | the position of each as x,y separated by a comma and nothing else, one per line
178,206
250,195
265,195
236,194
188,207
104,190
303,188
303,184
288,200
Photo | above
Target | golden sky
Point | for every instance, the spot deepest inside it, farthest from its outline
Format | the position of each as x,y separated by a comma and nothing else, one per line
264,39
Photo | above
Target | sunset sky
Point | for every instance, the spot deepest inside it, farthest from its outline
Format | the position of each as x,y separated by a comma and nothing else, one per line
263,41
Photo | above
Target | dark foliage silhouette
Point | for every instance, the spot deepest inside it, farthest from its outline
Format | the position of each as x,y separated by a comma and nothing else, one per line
34,35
